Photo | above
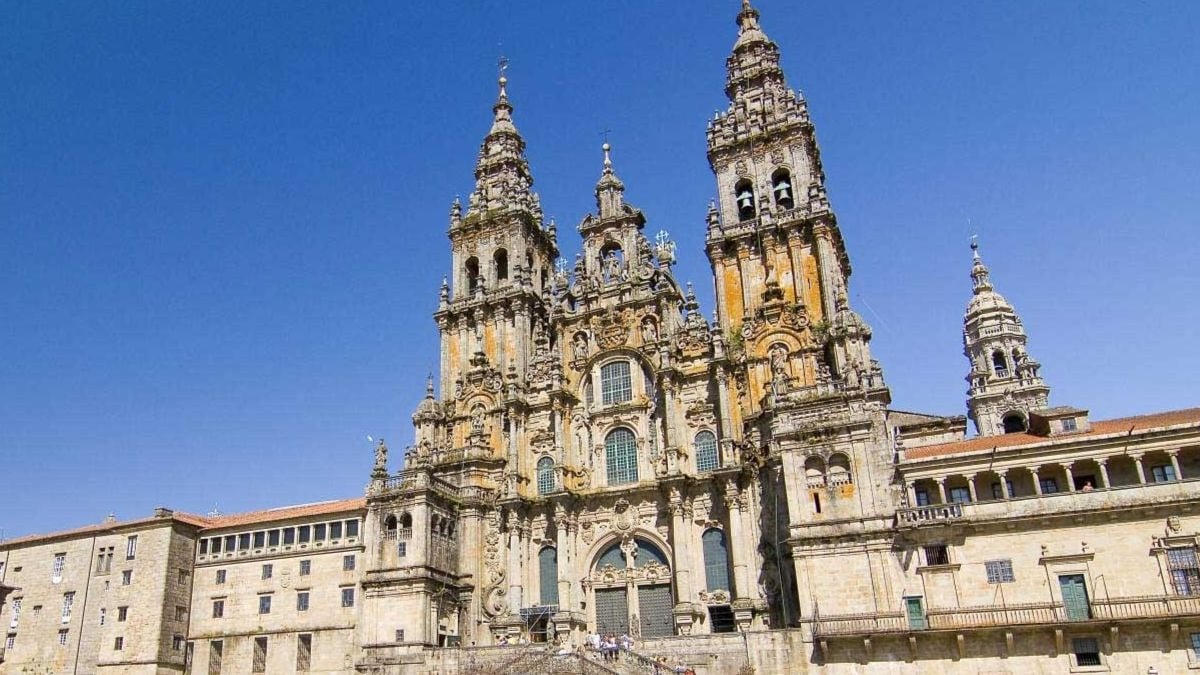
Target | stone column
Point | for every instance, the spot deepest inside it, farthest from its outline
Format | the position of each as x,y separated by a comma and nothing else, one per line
941,483
1103,463
681,539
1141,471
1070,477
1174,455
971,487
1003,474
514,564
1037,481
739,549
723,402
561,532
911,490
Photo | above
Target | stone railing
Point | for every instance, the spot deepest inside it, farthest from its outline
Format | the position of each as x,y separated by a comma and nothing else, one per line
923,515
1131,608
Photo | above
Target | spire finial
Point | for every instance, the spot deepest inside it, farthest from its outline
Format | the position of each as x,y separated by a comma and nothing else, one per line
429,386
502,67
607,158
979,271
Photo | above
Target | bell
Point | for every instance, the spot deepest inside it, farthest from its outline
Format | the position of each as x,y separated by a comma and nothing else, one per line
745,199
783,190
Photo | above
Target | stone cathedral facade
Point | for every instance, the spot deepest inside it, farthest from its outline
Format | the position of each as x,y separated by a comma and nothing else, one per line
731,487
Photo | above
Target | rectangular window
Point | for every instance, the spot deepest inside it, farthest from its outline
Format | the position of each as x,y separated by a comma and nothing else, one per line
68,602
10,641
302,601
289,536
402,549
335,530
305,568
218,609
215,544
103,615
259,664
303,532
937,554
319,532
616,385
244,542
1049,485
126,577
960,495
260,539
177,642
399,635
1185,572
347,597
203,547
119,644
347,563
62,636
267,571
922,497
1162,474
216,653
131,547
180,613
351,528
104,560
303,652
264,604
1195,647
914,609
230,543
220,576
273,538
1087,651
999,571
122,613
56,572
1069,424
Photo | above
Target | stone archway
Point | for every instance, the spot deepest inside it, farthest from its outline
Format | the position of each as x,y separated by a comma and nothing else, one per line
630,583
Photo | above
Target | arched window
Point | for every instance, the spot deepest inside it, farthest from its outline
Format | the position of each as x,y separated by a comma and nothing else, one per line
548,576
616,385
545,476
389,526
839,470
613,555
472,274
716,560
621,450
999,363
647,553
405,520
1014,423
500,260
781,185
706,451
814,471
744,193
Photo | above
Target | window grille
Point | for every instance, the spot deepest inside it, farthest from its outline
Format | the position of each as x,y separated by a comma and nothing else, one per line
706,451
545,476
937,555
1185,572
999,572
716,560
616,385
621,449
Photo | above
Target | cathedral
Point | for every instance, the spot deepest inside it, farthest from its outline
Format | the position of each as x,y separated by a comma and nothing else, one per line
731,487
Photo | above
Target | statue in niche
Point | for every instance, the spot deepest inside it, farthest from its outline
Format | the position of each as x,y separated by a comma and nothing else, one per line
649,331
477,420
612,267
579,346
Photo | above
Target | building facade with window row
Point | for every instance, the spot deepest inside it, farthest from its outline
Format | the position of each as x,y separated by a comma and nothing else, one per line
596,455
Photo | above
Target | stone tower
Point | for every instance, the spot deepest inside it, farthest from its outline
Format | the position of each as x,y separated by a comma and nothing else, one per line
1005,383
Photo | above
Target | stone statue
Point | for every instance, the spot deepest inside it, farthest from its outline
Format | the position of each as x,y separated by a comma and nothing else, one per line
580,347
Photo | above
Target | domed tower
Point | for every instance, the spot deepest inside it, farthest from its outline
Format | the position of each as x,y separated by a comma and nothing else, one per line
1005,382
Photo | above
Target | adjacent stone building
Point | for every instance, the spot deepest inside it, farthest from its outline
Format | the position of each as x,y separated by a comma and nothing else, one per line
596,454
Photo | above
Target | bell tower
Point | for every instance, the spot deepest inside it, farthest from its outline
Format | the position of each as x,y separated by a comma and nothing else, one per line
1005,382
777,254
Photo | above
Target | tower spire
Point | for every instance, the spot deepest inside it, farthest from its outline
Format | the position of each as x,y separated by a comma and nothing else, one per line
1005,382
502,176
610,190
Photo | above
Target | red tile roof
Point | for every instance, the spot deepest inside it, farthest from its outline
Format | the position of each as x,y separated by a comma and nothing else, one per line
207,523
1098,428
286,513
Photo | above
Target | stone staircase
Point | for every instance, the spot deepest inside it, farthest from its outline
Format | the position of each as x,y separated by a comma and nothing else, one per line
534,660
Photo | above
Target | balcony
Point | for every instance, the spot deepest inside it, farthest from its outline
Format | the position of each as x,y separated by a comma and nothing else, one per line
1101,610
925,515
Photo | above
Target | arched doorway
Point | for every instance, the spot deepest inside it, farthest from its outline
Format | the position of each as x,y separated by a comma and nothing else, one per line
631,581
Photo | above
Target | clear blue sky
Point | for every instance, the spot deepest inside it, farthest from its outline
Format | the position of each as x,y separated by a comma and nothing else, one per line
222,225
